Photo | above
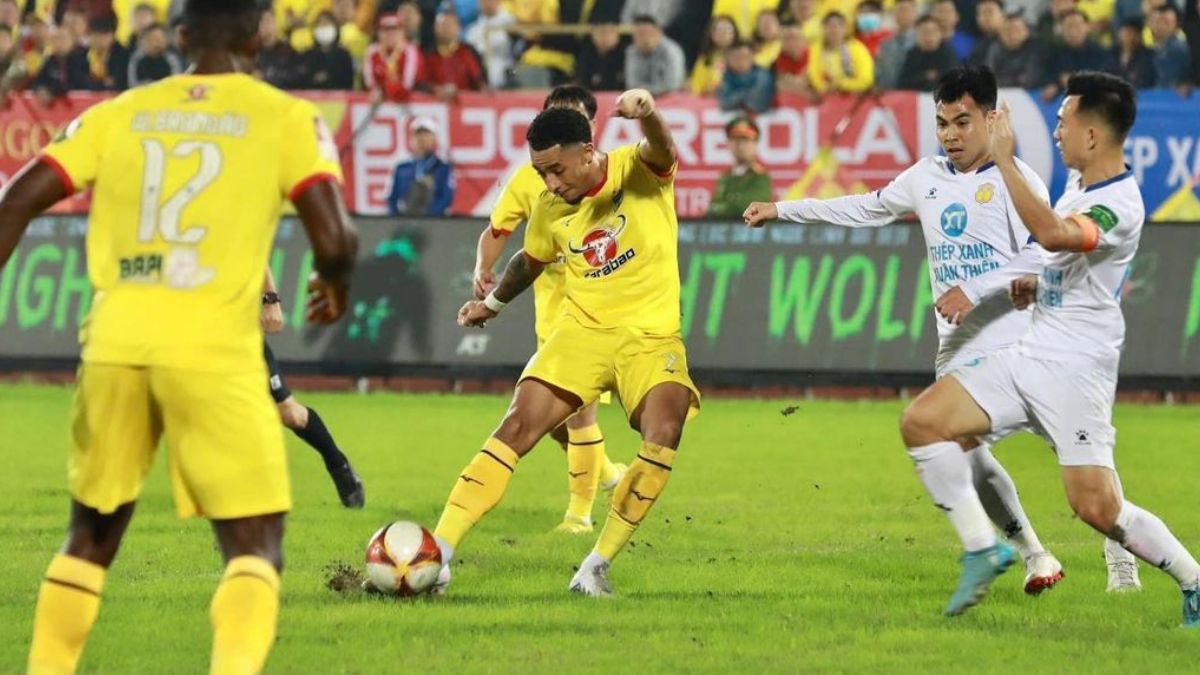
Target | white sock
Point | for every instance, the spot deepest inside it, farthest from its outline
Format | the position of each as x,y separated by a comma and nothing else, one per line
593,559
1147,537
446,548
998,494
1114,553
944,471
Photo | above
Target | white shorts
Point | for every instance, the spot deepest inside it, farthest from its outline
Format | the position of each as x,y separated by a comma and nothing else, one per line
1068,404
949,361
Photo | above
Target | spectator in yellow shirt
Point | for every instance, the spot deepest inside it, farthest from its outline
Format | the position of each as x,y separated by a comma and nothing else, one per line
710,66
743,12
838,63
767,33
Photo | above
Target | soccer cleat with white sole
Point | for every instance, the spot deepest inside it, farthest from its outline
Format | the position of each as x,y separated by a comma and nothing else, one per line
592,581
618,473
1042,572
443,581
574,525
1123,577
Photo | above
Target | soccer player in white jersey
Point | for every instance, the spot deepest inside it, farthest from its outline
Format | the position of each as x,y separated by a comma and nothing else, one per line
1061,377
970,229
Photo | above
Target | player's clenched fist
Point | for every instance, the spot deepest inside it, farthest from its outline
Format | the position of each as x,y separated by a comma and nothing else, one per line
326,300
1023,291
635,104
1002,140
760,212
474,314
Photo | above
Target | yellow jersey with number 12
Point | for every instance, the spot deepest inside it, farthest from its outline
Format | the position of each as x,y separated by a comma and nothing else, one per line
188,176
513,208
621,246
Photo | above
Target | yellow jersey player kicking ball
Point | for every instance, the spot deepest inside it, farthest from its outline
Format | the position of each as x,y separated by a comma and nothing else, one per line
172,347
588,466
612,218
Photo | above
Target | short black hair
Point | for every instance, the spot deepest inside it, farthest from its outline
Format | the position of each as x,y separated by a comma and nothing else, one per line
740,44
998,3
833,15
1167,8
1017,14
102,24
869,4
979,82
927,18
567,95
220,24
1134,23
558,126
1074,11
645,18
1108,96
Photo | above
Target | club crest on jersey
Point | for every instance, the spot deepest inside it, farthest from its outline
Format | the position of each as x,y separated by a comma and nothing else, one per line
954,219
1104,217
985,193
599,248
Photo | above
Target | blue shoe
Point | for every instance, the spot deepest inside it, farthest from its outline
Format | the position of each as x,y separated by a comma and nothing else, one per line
980,569
1191,608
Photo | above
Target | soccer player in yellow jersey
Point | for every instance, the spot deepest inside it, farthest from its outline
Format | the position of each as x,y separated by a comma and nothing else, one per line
612,218
188,176
588,465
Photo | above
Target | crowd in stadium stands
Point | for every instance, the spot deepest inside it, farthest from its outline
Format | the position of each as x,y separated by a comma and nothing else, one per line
741,52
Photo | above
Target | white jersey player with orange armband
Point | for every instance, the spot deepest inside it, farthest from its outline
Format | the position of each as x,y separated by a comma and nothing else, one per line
975,244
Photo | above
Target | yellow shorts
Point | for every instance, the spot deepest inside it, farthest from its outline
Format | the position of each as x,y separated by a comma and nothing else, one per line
590,361
225,447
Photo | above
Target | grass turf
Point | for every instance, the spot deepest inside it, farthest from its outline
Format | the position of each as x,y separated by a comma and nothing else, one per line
784,543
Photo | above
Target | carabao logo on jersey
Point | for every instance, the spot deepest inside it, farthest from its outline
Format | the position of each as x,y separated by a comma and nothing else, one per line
954,219
600,248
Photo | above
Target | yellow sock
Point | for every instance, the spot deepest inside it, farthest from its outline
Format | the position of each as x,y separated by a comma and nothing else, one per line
633,497
479,488
243,613
68,603
584,452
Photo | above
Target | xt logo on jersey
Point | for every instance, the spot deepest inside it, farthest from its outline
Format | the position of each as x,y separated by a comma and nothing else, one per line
599,249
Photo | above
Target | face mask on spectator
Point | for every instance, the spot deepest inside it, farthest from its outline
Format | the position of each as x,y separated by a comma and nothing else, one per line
325,35
869,23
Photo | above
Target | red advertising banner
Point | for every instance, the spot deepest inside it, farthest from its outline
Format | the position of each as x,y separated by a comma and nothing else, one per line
868,141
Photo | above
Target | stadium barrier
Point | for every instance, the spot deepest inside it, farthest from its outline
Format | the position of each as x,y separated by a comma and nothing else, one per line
845,306
870,141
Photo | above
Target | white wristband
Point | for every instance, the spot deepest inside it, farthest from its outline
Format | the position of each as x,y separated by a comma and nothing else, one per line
493,303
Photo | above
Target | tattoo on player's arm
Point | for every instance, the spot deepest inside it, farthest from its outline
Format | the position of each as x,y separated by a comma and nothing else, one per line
518,275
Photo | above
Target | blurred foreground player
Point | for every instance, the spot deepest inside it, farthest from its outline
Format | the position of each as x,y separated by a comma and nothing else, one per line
172,346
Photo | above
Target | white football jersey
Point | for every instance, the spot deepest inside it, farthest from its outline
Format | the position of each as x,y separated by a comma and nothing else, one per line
971,228
1078,310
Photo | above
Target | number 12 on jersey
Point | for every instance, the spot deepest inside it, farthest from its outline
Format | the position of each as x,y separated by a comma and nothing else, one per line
162,216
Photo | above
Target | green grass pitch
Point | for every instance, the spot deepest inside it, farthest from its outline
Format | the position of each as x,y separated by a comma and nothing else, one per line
784,543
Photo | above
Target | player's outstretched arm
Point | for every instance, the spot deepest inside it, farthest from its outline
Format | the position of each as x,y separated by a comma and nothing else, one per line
521,272
1051,230
335,245
658,149
850,211
34,189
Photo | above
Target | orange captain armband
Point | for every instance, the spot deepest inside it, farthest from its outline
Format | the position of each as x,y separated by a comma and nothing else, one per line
1091,231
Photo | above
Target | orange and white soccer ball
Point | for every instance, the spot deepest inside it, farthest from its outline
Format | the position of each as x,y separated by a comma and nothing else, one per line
403,558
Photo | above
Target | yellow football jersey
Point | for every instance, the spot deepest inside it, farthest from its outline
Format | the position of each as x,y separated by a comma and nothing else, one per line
620,246
188,176
513,208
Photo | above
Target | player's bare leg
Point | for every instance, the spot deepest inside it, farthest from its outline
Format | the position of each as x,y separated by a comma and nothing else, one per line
308,425
537,407
1095,496
998,494
69,599
930,426
588,468
659,418
246,605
